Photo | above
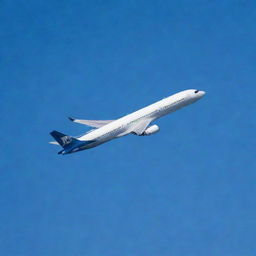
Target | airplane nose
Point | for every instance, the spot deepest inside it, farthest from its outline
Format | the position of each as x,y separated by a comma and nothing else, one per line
202,93
198,94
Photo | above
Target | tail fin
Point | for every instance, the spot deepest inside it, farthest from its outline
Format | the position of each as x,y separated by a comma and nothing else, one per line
64,140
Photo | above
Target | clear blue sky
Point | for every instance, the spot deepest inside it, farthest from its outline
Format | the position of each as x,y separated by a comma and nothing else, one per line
188,190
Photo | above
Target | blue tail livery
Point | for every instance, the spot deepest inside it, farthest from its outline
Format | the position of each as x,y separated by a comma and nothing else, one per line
69,143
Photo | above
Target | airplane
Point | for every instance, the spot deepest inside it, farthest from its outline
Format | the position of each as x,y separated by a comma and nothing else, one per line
138,123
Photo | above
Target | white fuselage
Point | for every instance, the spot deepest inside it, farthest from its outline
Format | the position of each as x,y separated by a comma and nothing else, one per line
125,125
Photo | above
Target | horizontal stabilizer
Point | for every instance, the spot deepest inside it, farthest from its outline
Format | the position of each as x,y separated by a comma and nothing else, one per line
54,142
91,123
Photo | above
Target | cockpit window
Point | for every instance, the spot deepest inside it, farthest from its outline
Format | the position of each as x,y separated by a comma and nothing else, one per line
196,91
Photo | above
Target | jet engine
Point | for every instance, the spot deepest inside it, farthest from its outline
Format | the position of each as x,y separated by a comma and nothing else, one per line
151,130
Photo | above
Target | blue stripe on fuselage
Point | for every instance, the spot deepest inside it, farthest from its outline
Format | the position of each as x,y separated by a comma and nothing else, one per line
77,146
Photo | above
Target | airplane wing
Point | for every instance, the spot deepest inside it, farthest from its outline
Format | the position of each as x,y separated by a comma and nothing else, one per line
139,127
92,123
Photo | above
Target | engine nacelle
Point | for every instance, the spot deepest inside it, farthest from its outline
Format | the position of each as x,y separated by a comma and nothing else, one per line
151,130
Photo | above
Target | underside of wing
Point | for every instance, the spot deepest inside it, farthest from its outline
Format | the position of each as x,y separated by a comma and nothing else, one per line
140,126
91,123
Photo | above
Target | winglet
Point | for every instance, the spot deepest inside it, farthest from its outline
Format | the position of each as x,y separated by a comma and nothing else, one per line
71,119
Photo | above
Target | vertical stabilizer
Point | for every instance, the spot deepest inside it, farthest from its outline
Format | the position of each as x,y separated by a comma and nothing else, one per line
64,140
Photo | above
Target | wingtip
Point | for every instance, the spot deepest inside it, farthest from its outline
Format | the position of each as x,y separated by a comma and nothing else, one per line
71,119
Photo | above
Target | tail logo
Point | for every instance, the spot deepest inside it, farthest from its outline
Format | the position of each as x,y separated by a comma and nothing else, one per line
66,140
